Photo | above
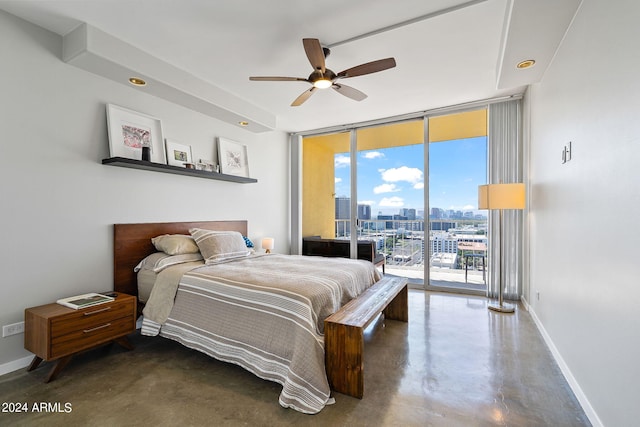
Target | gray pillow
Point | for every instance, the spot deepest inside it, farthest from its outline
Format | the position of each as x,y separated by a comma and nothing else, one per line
175,244
158,261
216,246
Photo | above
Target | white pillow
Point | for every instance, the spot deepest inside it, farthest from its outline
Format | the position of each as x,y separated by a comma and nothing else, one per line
217,246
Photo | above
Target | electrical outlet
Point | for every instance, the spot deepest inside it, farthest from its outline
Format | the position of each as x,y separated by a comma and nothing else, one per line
13,329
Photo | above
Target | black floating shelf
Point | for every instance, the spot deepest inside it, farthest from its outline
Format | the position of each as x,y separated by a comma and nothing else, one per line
176,170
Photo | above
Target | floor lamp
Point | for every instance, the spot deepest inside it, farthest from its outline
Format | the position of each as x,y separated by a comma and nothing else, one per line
500,197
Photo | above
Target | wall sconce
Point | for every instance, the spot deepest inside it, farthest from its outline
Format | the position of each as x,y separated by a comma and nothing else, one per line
267,244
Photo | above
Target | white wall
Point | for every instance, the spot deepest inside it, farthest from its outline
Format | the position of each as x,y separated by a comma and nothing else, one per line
584,237
58,202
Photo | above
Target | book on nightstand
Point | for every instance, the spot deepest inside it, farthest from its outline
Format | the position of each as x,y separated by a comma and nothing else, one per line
84,301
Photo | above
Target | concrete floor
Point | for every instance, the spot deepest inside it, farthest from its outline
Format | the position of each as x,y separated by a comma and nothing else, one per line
454,364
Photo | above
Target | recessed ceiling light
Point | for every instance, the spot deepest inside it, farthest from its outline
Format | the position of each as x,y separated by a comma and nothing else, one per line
243,123
136,81
527,63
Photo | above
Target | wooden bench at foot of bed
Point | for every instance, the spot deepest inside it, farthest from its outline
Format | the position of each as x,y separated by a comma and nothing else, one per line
343,332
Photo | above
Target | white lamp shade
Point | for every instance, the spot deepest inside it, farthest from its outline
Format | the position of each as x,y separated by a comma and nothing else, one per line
267,243
501,196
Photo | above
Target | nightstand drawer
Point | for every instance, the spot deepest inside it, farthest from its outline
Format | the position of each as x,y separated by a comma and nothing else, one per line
91,336
88,318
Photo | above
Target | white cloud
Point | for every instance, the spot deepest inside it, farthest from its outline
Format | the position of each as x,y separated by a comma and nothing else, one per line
366,202
403,173
373,155
342,161
418,185
385,188
392,202
462,208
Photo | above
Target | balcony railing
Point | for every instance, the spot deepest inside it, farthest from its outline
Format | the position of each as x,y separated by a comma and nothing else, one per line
454,256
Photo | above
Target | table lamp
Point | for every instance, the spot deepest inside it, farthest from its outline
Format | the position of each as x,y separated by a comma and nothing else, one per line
267,244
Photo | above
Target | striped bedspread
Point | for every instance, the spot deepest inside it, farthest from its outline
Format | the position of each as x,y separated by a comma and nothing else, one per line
266,314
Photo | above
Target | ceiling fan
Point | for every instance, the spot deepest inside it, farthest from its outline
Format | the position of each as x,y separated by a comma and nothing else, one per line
322,77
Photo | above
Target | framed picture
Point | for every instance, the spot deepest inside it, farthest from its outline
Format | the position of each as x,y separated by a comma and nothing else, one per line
207,165
129,131
177,154
233,158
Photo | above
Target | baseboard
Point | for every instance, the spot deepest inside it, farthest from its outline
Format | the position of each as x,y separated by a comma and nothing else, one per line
564,368
15,365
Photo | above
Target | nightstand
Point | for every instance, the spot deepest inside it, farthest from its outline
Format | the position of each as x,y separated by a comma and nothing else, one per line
56,332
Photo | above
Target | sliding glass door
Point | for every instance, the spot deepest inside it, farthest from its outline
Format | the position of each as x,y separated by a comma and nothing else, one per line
390,188
368,185
416,201
457,236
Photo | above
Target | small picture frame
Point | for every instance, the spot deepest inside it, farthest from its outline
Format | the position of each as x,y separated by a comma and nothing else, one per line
129,131
177,154
207,166
233,158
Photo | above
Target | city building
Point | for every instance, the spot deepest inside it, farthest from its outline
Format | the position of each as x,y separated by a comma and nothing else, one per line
364,211
343,207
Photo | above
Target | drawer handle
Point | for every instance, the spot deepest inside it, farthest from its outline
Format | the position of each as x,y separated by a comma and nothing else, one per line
89,313
86,331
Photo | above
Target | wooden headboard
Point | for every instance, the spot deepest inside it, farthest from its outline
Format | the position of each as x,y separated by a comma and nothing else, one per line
132,242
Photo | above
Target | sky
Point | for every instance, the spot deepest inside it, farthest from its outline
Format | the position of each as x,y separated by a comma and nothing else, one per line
391,179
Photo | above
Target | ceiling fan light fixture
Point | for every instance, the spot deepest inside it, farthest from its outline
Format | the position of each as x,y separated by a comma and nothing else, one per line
323,78
527,63
323,83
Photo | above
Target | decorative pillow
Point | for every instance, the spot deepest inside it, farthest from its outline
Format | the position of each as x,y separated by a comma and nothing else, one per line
175,244
158,261
248,242
218,246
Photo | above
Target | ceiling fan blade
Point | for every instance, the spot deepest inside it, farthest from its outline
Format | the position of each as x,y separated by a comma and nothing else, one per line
368,68
349,92
277,79
303,97
314,53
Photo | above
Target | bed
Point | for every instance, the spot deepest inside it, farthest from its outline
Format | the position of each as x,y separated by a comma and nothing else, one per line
264,312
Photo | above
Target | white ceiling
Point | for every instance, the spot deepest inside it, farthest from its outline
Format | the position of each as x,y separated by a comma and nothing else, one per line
463,51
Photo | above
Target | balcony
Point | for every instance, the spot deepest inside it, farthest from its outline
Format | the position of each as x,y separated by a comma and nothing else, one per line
457,258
